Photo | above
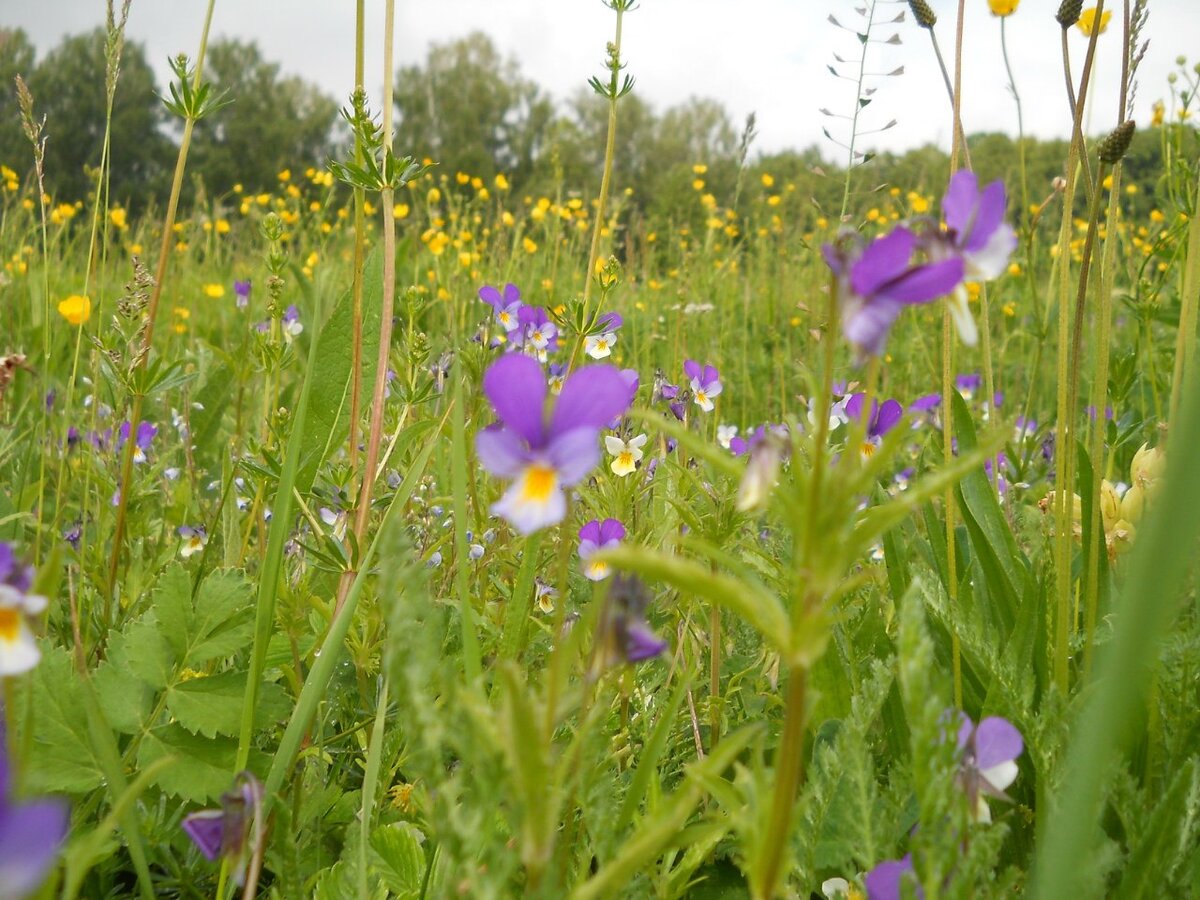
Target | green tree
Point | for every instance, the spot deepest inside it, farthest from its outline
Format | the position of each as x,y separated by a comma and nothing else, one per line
68,88
16,58
273,123
470,110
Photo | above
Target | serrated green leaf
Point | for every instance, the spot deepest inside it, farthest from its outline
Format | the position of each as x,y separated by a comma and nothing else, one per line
203,772
222,620
398,858
1158,851
63,758
213,705
125,696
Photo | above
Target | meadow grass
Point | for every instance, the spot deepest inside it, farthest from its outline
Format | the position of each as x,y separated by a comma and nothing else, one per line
292,591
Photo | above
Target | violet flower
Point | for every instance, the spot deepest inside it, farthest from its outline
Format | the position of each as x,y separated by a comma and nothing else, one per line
543,454
223,832
883,418
600,345
977,234
31,833
18,648
291,324
506,306
622,634
877,281
194,539
558,374
883,881
537,334
989,761
768,446
241,291
705,383
596,536
146,432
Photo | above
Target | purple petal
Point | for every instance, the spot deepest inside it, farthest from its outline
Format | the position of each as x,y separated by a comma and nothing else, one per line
883,881
988,217
868,327
574,454
516,386
884,260
591,532
641,643
206,828
738,446
591,397
885,420
926,403
145,434
632,379
610,321
611,530
925,283
691,368
710,375
30,835
8,562
996,741
853,407
490,296
512,294
587,547
501,451
958,205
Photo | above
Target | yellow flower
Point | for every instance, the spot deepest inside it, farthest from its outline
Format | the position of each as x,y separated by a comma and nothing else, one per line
1087,20
400,211
698,184
1003,7
214,290
501,183
75,309
285,175
1159,114
117,217
699,169
767,180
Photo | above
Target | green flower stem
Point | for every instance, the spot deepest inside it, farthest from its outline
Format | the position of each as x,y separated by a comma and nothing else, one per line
862,68
1012,86
124,486
948,497
789,772
360,240
1185,337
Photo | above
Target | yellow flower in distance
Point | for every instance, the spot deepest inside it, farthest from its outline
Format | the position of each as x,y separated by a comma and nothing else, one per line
76,309
1087,20
214,290
1003,8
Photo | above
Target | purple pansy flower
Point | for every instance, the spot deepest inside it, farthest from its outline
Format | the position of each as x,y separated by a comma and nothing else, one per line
30,834
877,281
291,324
558,374
538,335
543,454
977,234
594,536
705,383
623,634
222,832
989,761
883,418
241,291
768,447
18,648
883,881
146,432
507,306
600,345
968,384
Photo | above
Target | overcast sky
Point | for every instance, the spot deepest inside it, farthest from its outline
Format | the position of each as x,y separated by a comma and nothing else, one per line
766,56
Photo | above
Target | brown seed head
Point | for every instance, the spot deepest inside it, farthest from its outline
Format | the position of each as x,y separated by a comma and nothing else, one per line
1113,147
1068,12
922,12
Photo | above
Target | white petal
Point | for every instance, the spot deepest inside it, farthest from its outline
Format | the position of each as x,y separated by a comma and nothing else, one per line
526,511
960,312
20,653
639,441
614,445
992,261
1000,775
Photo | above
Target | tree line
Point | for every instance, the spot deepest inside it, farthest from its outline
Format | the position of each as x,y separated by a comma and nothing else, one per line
467,107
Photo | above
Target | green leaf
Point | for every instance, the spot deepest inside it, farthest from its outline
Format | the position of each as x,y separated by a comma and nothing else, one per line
125,696
213,705
398,858
205,764
146,652
63,758
1161,845
648,763
327,421
217,625
525,746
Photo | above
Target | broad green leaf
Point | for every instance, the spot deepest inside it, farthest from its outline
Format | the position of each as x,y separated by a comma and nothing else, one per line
63,758
398,858
218,624
125,696
213,705
205,764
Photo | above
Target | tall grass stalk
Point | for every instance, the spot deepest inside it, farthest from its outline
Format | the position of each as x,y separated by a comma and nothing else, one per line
1189,296
360,240
164,255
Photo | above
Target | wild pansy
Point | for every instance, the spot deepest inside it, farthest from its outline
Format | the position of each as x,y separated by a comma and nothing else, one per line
506,306
194,538
977,234
768,447
989,761
291,324
600,345
545,452
18,649
883,418
705,383
538,335
626,454
595,536
31,833
622,634
222,833
883,881
558,374
725,435
146,432
241,291
876,281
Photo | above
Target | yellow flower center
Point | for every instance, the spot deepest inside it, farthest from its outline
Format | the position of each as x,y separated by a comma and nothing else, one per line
10,624
701,397
540,481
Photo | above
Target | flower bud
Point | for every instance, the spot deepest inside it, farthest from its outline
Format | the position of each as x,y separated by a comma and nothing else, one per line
1149,464
1059,184
1068,12
925,15
1133,503
1110,505
1114,147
